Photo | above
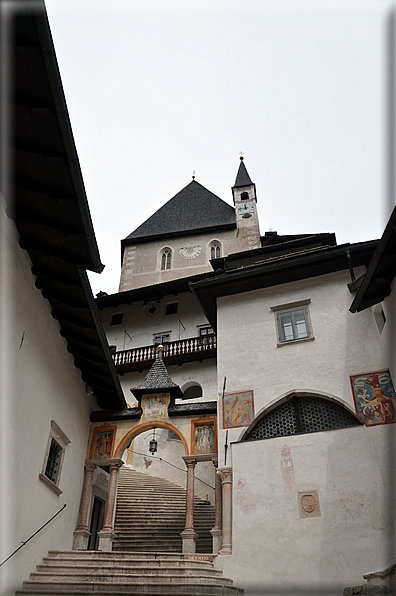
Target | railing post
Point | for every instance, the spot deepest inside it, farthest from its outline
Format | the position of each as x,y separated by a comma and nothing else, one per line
106,534
81,534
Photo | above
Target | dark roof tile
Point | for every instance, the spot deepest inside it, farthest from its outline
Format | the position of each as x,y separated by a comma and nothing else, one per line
243,178
192,209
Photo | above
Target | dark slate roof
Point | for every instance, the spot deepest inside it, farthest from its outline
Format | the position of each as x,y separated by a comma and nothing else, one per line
156,380
243,178
193,209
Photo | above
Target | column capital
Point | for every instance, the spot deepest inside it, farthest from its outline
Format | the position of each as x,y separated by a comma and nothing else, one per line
90,466
225,474
190,461
115,464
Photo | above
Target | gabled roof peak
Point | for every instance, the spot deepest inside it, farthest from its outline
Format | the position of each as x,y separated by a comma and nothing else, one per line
243,178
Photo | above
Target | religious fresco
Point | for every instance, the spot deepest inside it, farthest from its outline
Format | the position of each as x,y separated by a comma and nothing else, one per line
204,438
238,409
374,397
102,443
155,407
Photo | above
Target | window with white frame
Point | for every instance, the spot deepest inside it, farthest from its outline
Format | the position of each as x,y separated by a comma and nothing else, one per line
53,460
166,259
293,322
161,338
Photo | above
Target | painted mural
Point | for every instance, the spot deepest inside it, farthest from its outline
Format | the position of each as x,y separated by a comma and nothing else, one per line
154,407
374,397
204,438
238,409
102,443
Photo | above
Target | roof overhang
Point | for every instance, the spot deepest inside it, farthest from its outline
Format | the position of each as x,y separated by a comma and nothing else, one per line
376,283
45,196
285,269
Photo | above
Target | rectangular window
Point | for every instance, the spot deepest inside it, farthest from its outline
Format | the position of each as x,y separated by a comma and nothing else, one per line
293,324
171,309
53,460
205,331
161,338
117,319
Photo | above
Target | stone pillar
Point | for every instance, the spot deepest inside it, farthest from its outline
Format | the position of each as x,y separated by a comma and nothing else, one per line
106,534
189,535
216,531
226,480
81,534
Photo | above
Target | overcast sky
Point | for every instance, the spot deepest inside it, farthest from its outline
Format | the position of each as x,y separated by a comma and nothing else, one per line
159,88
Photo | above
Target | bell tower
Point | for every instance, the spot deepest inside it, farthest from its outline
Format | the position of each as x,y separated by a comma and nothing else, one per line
245,202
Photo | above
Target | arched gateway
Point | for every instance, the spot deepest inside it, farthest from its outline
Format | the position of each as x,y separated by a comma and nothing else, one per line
112,432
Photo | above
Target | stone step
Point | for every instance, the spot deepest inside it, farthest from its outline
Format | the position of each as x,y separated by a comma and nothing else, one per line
117,588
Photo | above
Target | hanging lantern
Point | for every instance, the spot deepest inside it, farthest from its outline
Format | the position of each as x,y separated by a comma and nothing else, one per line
153,444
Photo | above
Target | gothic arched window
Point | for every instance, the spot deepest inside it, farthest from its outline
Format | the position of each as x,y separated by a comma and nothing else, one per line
301,415
166,259
244,196
215,250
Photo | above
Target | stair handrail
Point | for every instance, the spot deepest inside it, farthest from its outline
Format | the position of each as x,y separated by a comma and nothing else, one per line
32,536
168,462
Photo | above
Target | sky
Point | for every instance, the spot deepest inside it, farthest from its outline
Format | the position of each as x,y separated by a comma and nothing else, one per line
159,89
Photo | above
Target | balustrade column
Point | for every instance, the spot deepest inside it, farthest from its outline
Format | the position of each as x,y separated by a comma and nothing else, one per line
189,535
217,531
106,535
81,534
226,480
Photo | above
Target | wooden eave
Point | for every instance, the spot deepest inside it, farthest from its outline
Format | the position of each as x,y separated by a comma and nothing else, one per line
376,283
45,196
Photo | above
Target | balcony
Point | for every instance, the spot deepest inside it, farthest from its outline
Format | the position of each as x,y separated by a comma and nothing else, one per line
175,352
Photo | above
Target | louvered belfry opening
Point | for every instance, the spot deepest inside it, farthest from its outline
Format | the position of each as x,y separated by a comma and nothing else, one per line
302,415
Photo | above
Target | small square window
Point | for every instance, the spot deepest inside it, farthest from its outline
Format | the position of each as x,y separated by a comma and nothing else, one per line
171,309
293,324
117,319
53,459
161,338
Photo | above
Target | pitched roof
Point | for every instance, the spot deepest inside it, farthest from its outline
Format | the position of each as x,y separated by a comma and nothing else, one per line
193,209
156,380
243,178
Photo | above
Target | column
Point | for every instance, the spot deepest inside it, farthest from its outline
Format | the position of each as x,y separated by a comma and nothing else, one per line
81,534
216,531
189,535
106,534
226,480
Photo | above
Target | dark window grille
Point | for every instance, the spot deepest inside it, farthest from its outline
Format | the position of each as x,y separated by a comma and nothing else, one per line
302,415
53,461
171,309
117,319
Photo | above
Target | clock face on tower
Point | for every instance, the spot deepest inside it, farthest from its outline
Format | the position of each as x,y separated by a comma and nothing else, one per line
245,209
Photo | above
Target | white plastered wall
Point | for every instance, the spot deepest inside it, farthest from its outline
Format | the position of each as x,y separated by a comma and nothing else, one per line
39,383
350,468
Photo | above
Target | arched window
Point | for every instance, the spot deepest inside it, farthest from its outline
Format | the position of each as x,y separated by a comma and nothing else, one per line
301,415
166,259
215,251
192,390
244,196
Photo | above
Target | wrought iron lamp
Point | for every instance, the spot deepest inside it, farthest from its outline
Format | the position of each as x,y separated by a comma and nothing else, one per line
153,444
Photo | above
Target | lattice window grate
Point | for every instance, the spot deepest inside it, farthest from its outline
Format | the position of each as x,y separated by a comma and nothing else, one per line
302,415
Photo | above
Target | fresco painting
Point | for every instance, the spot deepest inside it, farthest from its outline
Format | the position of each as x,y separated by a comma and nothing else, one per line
154,407
374,396
204,438
238,409
103,444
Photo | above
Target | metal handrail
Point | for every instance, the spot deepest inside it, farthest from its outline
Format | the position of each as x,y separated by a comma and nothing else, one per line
172,348
32,536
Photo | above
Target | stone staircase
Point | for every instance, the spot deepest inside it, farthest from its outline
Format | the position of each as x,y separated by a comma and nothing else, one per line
151,513
81,573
